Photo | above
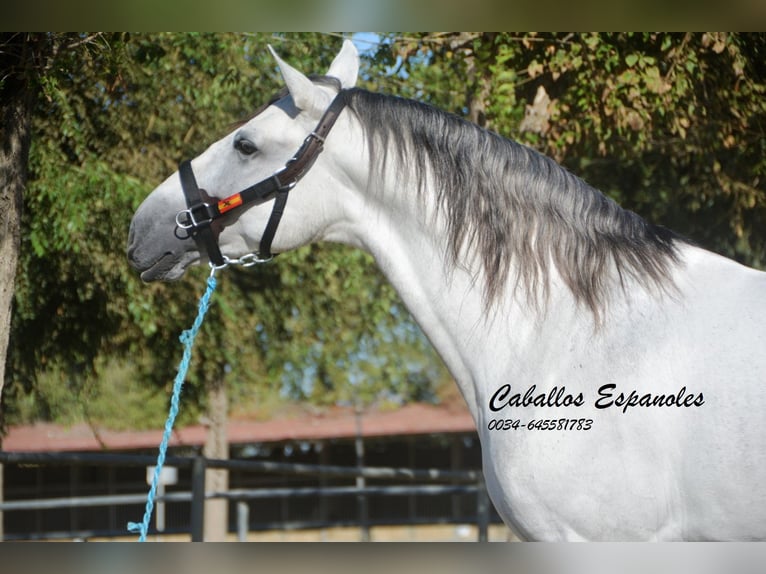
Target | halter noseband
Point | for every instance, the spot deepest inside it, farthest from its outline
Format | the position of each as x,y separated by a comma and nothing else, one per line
202,217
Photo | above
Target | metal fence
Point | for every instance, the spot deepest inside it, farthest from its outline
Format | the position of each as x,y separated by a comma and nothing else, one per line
411,482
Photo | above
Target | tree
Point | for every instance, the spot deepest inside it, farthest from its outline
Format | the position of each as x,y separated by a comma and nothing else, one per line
23,59
20,60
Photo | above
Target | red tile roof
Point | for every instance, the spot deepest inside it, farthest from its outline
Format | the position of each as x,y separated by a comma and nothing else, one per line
412,419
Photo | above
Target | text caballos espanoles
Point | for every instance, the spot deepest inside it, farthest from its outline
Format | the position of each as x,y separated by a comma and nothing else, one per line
607,397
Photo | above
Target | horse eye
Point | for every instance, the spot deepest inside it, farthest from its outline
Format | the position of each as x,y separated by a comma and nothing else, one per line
245,146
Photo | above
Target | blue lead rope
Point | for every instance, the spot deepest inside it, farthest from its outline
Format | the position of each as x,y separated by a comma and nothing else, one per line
187,338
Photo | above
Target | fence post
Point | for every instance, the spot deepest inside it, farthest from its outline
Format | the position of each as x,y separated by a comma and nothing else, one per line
2,498
363,512
243,520
198,500
482,509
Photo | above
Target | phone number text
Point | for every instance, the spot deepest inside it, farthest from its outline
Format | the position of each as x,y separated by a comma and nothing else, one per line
540,425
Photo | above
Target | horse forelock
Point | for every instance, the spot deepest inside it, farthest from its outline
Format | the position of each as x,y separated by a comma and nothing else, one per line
512,205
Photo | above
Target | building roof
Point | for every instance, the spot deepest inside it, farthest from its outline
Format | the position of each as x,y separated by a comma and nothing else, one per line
337,423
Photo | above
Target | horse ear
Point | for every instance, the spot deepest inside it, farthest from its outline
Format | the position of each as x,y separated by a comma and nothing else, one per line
345,66
305,94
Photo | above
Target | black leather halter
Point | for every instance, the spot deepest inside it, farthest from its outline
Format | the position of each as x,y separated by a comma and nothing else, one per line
202,219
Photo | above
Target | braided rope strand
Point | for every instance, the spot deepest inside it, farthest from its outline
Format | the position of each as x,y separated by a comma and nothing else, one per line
187,338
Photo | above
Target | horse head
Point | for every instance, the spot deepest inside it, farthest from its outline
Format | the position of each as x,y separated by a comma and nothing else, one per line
160,244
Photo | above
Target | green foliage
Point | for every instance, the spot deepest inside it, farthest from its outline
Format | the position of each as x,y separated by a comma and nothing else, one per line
111,392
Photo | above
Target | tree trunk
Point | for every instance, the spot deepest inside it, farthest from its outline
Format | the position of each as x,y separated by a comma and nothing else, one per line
217,480
16,97
15,110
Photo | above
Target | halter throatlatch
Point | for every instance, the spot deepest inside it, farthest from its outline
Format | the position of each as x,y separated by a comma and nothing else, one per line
203,218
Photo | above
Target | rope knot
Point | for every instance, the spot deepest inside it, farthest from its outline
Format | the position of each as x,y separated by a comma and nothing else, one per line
187,336
134,527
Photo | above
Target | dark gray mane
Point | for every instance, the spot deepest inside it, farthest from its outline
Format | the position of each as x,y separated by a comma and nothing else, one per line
513,204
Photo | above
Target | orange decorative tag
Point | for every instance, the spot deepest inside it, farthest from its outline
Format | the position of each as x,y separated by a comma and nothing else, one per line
229,203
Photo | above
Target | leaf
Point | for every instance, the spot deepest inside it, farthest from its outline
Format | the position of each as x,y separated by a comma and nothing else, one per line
534,69
631,60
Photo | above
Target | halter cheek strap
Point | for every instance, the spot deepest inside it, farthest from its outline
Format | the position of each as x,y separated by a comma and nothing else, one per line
264,251
199,223
202,219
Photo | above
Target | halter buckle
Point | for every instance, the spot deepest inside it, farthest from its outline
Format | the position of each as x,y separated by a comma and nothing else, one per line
196,216
282,187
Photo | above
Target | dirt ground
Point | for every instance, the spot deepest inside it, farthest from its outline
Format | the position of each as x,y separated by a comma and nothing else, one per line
421,533
435,533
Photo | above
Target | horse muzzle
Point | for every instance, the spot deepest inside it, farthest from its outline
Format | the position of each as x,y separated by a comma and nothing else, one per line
154,249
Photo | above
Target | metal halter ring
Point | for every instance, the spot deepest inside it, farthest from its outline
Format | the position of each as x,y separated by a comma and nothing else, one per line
187,222
214,268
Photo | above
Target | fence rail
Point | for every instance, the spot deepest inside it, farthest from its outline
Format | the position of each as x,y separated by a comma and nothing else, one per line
461,482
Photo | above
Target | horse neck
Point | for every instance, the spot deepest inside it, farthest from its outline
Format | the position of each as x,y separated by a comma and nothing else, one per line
406,233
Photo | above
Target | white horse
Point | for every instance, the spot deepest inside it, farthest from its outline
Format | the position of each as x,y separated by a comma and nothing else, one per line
615,372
